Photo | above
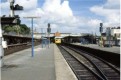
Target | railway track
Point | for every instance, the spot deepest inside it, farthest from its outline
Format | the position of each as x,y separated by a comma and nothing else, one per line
89,67
17,47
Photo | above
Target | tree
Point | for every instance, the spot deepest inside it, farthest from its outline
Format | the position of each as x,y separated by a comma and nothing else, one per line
24,29
19,29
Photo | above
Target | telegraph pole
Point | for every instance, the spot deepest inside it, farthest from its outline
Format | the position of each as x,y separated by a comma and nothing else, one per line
32,53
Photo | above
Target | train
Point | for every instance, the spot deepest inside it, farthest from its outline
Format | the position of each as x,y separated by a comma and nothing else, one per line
58,40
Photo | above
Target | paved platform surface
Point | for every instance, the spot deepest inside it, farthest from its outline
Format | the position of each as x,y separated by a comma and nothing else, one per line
113,49
63,71
47,64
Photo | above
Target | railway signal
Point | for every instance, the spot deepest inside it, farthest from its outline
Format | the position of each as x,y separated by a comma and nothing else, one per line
14,8
49,29
101,27
12,19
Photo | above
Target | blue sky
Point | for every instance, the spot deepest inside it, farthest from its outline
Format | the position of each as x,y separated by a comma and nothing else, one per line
75,16
80,7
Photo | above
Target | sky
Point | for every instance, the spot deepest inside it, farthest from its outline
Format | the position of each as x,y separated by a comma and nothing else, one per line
68,16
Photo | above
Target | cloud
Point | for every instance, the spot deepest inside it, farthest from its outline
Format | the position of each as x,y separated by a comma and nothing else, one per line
60,15
4,8
51,5
110,11
31,13
4,5
65,9
28,4
111,4
56,12
52,11
94,22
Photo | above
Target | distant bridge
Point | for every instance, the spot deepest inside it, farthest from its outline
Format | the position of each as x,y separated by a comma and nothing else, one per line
39,35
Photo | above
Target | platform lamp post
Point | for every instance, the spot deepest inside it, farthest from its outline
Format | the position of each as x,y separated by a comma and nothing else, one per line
32,53
49,31
101,30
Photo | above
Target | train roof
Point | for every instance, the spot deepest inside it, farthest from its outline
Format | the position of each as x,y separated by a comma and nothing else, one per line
58,37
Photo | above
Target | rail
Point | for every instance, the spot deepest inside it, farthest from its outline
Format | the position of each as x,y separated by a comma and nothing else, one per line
82,71
111,57
97,65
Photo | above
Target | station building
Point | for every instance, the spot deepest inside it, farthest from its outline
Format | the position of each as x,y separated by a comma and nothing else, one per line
112,36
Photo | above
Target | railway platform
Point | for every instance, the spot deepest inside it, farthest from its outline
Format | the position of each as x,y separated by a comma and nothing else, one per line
47,64
113,49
